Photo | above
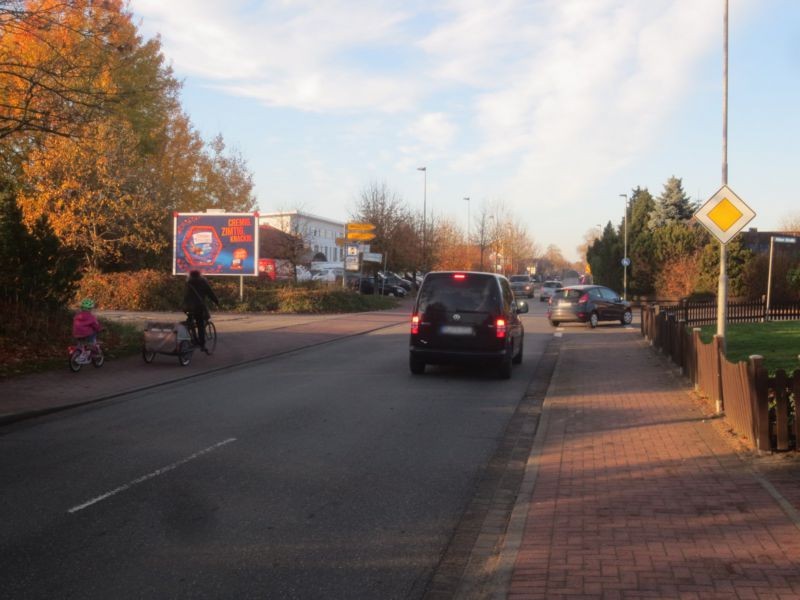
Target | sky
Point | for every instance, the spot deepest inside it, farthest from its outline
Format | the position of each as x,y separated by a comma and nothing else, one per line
550,108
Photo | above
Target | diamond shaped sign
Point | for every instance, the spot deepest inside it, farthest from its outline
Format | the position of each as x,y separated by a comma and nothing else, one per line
724,214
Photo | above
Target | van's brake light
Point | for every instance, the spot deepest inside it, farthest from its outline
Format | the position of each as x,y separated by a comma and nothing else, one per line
414,324
500,328
459,276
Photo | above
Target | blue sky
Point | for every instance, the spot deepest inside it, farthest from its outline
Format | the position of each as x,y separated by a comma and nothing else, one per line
551,107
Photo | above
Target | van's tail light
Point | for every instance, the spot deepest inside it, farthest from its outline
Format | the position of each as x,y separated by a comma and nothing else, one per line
414,324
583,299
500,328
459,276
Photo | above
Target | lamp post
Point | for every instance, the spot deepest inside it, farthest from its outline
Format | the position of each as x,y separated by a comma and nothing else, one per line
625,252
466,199
424,212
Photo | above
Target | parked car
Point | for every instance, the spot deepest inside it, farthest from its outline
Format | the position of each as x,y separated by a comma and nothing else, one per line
368,285
548,289
466,317
588,304
391,278
521,285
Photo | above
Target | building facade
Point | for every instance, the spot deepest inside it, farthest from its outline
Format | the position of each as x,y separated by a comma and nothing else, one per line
318,233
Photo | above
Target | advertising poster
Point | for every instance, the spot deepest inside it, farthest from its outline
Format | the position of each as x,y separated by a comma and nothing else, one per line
216,243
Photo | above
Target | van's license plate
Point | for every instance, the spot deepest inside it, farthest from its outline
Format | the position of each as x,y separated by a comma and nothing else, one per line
456,330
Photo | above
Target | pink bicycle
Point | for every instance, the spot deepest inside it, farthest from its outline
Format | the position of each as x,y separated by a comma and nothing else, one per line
84,353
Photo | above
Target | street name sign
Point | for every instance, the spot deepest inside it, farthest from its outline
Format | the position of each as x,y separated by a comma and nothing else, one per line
785,240
375,257
724,214
360,227
360,236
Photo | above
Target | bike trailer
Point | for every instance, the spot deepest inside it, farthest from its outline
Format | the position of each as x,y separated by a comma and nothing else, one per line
165,338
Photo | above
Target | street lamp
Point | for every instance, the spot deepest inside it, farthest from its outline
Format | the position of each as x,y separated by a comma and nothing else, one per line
424,212
625,260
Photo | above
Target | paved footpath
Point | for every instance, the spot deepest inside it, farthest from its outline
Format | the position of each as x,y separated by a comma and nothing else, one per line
243,338
635,494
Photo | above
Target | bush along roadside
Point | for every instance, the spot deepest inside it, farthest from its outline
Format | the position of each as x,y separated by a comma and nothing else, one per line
159,291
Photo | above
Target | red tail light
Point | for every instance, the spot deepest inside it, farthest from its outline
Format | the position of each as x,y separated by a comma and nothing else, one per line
500,328
414,324
583,299
459,276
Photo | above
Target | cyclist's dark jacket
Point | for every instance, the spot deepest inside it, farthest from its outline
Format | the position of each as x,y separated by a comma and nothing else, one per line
197,290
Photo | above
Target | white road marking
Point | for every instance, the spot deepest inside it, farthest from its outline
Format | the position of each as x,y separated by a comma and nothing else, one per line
144,478
558,334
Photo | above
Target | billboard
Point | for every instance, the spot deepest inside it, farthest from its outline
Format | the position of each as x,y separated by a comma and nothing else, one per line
215,243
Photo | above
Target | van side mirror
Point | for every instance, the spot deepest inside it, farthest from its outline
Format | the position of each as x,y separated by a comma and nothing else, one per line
522,306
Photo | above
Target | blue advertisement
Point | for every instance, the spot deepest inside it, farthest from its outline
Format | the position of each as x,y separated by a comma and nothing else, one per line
216,243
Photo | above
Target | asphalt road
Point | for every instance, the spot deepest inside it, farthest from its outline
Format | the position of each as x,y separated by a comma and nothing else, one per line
327,473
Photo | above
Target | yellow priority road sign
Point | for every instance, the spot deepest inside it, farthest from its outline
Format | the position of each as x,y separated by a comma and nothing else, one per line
724,214
360,236
360,227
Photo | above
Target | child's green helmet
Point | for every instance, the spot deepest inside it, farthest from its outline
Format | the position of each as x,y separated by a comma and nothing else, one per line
87,304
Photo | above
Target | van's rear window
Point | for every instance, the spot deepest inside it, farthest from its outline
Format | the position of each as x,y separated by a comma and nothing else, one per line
473,293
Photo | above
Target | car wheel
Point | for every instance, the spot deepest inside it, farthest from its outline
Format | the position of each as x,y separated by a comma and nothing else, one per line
593,320
518,358
416,365
555,323
627,317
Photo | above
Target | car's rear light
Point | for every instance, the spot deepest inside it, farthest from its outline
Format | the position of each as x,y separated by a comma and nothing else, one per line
459,276
414,324
583,299
500,328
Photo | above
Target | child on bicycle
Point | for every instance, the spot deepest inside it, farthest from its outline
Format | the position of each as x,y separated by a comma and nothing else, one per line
85,325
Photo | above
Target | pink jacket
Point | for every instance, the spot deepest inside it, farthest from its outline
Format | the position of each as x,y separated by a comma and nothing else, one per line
85,324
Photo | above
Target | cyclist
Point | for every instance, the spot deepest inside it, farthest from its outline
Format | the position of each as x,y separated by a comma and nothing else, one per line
85,325
194,304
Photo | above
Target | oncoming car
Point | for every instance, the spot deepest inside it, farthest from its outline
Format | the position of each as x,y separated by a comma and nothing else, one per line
548,289
522,285
466,317
588,304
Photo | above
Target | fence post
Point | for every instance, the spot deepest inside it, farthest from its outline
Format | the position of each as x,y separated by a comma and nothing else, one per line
656,326
693,357
718,357
796,391
759,402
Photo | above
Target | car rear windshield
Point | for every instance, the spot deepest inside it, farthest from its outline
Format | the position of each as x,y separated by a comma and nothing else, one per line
518,278
569,294
462,292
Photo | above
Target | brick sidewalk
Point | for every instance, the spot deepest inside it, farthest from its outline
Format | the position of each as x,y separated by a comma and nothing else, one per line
637,495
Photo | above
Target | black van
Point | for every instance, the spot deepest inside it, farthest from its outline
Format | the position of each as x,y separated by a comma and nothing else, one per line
466,317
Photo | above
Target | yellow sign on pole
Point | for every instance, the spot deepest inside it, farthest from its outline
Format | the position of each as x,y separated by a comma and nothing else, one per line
724,214
360,236
360,227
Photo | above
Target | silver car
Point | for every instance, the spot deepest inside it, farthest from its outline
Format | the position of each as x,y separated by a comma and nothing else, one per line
521,285
548,289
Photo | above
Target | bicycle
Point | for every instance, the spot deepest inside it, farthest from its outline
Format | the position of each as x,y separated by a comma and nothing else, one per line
211,333
84,353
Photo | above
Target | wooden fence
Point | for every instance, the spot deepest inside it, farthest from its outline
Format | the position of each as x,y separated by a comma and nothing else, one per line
750,311
760,408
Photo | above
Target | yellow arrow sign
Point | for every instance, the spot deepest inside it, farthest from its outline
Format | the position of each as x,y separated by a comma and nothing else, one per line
360,236
360,227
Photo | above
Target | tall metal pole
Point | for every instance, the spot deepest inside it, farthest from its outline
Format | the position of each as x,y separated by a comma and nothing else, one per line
424,213
625,252
722,291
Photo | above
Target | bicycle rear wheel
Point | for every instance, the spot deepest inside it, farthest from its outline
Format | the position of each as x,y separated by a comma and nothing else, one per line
211,337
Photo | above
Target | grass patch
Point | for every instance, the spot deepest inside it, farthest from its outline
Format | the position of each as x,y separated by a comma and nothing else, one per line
777,341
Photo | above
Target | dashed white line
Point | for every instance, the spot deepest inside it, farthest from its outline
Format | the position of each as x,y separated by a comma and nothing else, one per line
144,478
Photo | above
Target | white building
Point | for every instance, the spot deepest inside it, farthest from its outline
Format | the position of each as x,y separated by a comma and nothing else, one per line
318,233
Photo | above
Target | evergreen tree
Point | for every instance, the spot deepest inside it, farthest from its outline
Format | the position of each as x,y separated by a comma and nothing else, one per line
673,205
604,257
640,243
36,270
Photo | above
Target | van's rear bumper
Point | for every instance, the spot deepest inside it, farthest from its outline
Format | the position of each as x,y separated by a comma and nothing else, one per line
445,357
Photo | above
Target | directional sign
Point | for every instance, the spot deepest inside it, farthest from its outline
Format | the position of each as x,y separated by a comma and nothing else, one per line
360,236
724,214
360,227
